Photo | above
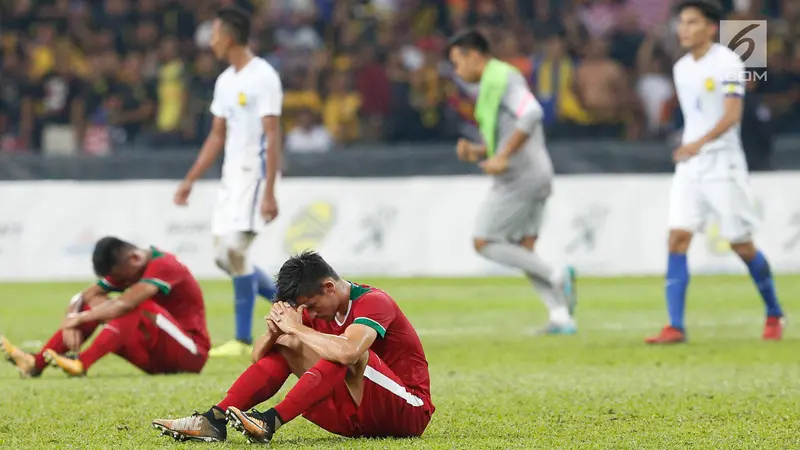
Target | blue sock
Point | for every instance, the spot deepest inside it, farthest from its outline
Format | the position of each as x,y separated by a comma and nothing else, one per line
266,288
762,276
244,291
677,282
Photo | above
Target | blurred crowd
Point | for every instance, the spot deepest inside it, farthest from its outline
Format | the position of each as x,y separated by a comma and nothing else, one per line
97,75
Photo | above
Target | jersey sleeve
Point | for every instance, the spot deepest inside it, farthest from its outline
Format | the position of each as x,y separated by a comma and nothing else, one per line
375,310
163,273
216,103
270,99
732,70
519,99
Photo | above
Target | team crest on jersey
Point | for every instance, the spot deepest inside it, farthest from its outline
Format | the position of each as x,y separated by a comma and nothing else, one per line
710,85
242,99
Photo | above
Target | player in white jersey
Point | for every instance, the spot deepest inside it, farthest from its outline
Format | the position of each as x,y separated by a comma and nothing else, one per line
246,108
711,175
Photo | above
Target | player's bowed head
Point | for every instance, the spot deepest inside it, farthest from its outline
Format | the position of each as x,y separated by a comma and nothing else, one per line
307,281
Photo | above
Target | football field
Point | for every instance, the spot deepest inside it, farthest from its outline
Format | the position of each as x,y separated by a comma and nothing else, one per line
494,383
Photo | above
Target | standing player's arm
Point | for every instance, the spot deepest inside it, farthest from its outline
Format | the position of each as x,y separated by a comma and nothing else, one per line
126,303
210,151
733,106
272,163
528,112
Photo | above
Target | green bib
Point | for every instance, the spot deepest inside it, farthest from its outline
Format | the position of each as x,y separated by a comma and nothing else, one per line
492,88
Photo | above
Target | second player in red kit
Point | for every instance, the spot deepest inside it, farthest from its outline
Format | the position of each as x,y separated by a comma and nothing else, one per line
361,366
158,322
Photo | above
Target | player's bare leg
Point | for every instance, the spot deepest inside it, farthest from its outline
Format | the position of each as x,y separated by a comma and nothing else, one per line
23,361
314,382
248,280
676,284
569,281
762,277
546,280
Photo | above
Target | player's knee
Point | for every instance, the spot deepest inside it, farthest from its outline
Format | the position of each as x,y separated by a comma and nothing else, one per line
746,250
528,242
679,241
222,263
288,343
357,367
237,260
479,244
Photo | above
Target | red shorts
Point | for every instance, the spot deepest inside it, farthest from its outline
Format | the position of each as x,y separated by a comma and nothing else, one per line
155,342
388,408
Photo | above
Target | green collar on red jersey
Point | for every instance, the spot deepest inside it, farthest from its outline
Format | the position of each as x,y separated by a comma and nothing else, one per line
357,290
155,253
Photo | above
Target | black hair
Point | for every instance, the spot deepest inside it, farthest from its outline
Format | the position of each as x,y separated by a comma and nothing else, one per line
237,22
108,252
711,9
471,39
302,275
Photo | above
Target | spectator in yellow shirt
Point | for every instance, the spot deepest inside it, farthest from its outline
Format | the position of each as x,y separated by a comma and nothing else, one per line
340,110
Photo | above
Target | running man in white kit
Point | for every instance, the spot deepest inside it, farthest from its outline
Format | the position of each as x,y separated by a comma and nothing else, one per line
711,175
246,107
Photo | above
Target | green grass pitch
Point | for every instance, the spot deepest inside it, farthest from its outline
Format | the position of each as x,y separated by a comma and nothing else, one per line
495,385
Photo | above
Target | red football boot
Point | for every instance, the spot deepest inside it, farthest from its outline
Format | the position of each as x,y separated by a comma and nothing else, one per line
773,329
668,335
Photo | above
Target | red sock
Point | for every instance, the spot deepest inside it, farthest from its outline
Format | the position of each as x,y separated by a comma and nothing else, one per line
56,342
108,341
258,383
314,386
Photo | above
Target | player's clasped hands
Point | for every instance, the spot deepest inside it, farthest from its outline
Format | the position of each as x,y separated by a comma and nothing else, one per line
286,318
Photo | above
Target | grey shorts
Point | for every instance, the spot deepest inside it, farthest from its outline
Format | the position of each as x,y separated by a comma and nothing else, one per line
509,218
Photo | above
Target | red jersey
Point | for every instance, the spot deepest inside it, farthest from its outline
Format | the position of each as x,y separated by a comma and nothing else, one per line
397,345
178,293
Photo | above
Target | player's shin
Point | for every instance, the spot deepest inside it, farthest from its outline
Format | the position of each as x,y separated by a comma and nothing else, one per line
762,277
244,290
676,284
315,385
516,256
258,383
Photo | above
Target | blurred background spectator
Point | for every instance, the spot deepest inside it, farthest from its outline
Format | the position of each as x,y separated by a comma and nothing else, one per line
95,76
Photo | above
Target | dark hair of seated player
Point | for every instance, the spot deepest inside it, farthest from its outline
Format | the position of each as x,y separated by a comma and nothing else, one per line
302,276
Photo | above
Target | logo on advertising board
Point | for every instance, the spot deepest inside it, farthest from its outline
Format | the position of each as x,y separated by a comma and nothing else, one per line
82,244
183,236
588,225
375,226
309,227
9,232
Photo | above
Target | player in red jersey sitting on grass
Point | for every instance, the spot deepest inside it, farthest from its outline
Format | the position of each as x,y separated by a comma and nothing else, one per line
361,367
158,323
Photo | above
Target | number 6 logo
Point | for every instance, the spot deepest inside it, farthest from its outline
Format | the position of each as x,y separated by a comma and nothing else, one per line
741,38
